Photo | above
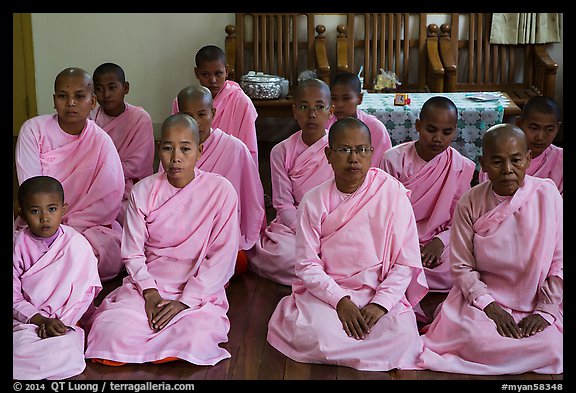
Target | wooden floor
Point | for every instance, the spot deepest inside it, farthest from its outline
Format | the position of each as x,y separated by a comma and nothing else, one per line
252,300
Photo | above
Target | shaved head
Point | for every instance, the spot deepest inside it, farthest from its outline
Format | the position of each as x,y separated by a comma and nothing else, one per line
194,94
181,119
74,72
500,131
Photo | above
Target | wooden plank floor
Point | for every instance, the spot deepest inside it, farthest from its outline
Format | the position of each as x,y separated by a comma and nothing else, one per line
252,300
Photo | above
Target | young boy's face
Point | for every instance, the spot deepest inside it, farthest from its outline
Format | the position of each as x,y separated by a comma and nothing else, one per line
312,110
505,162
73,100
43,212
179,153
540,130
200,111
110,93
212,75
345,101
436,131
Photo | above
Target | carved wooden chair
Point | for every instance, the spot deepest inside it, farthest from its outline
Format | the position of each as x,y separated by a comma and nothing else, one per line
397,42
283,44
472,63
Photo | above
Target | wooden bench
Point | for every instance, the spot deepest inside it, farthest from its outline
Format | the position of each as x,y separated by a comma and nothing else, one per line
387,41
474,64
275,43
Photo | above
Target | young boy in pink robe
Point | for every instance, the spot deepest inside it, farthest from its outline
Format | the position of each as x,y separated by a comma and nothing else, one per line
297,165
73,149
54,280
235,112
437,175
179,245
226,155
540,121
346,94
129,126
504,314
359,274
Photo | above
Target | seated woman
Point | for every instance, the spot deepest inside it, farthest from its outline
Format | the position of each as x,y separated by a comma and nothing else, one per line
358,266
179,245
504,314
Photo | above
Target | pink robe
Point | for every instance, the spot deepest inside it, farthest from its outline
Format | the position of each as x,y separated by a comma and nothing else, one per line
295,168
57,281
378,133
363,245
184,243
549,164
508,250
90,170
226,155
235,114
435,188
133,136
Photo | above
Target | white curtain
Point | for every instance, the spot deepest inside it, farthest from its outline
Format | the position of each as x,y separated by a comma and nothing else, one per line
525,28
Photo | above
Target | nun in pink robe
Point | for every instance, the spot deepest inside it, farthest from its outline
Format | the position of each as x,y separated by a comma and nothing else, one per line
548,164
90,170
380,138
59,280
235,114
507,249
182,242
133,136
363,245
295,169
226,155
436,186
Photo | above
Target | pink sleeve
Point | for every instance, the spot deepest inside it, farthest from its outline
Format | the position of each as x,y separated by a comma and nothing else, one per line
550,297
27,153
482,301
218,265
134,235
282,197
22,310
463,264
394,286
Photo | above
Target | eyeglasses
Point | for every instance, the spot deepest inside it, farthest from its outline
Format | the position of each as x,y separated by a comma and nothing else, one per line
315,108
362,151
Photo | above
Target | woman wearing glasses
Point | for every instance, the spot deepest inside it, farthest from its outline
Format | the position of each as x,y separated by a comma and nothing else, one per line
358,267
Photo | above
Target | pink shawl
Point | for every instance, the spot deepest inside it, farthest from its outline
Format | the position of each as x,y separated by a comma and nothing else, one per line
365,247
183,242
508,250
90,170
87,165
58,282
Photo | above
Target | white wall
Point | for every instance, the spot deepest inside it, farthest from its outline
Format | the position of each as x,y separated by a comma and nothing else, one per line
156,50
